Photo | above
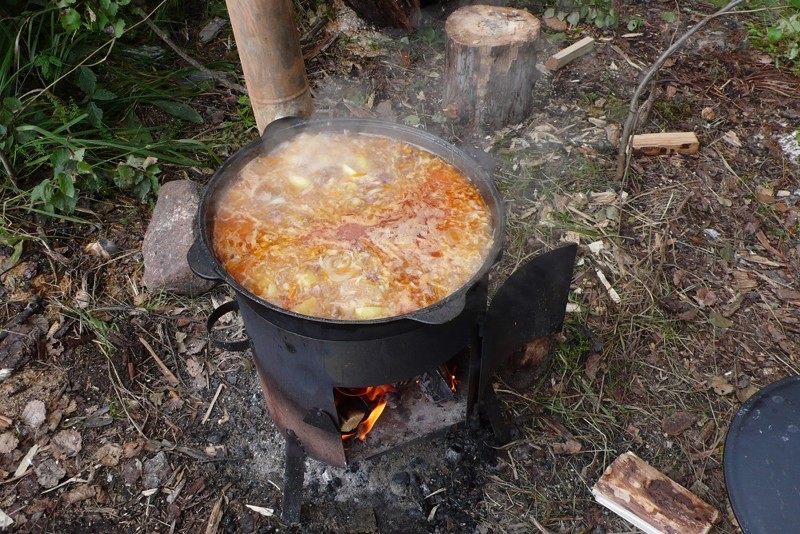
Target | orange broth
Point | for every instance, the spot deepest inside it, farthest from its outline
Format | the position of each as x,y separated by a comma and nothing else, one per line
350,227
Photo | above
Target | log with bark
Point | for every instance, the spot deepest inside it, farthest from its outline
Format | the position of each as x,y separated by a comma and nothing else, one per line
650,500
490,65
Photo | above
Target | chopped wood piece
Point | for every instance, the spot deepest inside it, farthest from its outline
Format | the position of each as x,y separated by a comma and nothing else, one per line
570,53
490,65
659,144
650,500
349,422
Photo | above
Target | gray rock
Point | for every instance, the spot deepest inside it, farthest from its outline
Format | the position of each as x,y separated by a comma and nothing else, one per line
169,235
398,485
155,471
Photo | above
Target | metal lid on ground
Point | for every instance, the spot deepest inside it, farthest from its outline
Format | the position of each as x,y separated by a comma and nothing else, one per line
762,459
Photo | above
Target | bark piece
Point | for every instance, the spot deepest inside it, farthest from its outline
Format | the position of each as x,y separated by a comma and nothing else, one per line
650,500
659,144
490,65
569,54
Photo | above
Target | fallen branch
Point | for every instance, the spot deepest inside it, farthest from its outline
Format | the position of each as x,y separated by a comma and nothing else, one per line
188,59
623,158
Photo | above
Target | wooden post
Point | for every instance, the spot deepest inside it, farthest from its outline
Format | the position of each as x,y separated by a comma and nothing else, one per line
272,62
490,65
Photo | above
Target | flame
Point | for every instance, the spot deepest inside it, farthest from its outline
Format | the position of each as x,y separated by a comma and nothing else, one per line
449,374
373,397
369,422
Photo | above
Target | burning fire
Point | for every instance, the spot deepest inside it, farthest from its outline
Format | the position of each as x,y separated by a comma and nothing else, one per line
449,374
360,408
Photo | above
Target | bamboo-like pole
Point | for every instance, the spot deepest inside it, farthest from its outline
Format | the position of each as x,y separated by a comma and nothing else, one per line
272,62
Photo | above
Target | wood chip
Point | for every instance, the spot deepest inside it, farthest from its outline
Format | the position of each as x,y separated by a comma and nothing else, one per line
213,402
611,291
569,54
25,463
650,500
349,422
215,517
659,144
266,512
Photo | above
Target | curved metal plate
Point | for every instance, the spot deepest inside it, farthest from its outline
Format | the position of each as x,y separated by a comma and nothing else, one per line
530,304
762,459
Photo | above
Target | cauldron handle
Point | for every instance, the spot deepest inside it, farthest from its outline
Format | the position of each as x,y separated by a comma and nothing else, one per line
201,262
222,309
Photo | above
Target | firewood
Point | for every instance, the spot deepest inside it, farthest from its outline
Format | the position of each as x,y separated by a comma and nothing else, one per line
659,144
350,421
650,500
569,54
490,65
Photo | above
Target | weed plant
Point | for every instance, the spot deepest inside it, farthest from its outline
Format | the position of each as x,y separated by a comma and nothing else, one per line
71,102
777,32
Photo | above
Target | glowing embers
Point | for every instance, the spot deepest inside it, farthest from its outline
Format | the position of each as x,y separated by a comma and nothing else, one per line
360,408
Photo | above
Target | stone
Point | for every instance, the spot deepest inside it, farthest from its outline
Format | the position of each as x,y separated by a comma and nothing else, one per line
169,236
398,485
453,454
155,471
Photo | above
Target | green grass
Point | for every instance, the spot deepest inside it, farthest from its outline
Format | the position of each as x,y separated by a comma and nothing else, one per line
74,108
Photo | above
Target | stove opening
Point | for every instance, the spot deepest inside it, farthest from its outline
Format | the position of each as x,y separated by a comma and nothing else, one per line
375,419
359,409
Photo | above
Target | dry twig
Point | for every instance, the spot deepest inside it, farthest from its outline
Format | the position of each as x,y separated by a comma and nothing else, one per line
163,368
213,402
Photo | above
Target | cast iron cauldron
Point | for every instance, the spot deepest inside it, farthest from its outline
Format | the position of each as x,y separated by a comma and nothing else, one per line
355,353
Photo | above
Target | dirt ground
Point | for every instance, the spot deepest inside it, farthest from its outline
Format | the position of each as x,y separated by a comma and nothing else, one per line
700,254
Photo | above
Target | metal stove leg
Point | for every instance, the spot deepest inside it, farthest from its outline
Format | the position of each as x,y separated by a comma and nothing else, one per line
492,410
293,479
473,377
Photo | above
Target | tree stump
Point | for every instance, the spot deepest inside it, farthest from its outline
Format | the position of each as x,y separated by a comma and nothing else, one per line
490,65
